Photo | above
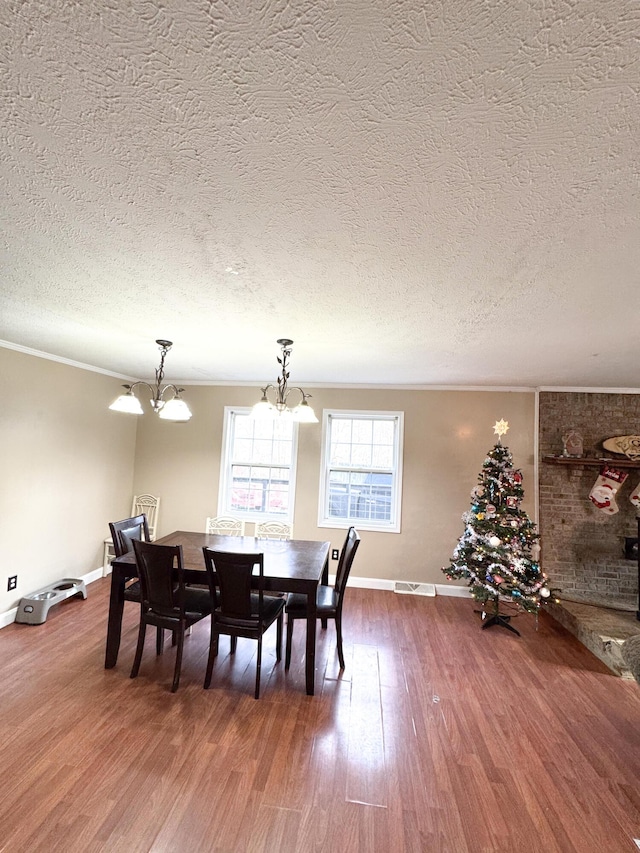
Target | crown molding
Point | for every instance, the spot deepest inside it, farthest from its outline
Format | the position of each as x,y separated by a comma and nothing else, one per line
69,362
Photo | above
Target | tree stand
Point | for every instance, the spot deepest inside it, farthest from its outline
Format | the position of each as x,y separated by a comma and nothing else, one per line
497,618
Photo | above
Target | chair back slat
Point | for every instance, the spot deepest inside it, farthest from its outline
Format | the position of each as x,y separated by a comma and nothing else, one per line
234,577
161,577
148,505
124,532
346,560
225,525
273,530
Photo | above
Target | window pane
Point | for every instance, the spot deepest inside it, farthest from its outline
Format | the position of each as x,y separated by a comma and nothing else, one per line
243,427
341,454
360,496
262,450
382,456
281,452
242,449
341,429
383,432
361,455
362,431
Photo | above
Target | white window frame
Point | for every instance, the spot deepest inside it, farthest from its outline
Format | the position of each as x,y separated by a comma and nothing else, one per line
324,519
226,463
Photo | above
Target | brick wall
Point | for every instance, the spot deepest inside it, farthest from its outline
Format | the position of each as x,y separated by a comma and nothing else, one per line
582,547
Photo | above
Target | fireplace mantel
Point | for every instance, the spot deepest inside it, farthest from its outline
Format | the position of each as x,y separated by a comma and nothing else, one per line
592,461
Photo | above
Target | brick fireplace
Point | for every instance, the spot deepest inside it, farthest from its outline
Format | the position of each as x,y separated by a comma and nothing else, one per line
583,549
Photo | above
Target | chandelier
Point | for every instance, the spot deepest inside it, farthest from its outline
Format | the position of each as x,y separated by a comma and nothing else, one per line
275,399
173,409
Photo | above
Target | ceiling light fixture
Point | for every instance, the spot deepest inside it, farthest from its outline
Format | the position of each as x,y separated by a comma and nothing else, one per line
279,405
173,409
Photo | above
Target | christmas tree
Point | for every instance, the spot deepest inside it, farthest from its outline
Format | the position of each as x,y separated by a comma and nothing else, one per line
495,551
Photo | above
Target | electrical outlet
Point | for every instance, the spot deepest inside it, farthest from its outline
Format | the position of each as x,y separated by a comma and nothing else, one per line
335,554
12,583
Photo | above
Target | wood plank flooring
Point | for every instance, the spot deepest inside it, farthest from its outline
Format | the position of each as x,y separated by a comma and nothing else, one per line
438,737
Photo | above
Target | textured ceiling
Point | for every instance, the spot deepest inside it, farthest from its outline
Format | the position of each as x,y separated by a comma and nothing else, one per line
415,192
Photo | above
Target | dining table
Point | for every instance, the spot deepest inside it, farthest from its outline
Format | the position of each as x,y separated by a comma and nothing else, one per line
290,565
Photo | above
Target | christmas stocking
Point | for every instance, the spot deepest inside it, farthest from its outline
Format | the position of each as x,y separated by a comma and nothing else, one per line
603,493
635,496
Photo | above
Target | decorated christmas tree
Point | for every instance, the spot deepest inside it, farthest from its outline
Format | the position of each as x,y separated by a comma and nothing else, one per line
494,554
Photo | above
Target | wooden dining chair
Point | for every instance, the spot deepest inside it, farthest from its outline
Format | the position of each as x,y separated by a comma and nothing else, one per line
122,535
273,530
225,525
166,601
329,599
241,609
147,505
150,506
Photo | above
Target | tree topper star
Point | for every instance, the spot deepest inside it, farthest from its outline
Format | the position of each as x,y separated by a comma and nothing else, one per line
501,428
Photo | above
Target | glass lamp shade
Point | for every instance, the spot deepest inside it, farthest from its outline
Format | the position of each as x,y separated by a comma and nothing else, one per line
175,410
263,410
127,403
304,414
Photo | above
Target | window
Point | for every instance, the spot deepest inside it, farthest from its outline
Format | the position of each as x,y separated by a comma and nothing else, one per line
361,479
257,476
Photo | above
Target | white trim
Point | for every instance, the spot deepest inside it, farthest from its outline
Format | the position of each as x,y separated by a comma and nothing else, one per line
526,389
354,581
444,589
9,616
364,386
369,583
95,575
453,590
68,361
589,390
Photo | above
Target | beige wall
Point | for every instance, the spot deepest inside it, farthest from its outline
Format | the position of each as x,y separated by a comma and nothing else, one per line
69,466
67,469
447,436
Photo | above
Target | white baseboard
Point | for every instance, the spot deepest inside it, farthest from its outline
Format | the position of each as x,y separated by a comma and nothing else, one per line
369,583
95,575
9,616
364,583
381,583
454,590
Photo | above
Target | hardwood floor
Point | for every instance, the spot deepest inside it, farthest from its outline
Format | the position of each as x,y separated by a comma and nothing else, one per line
438,736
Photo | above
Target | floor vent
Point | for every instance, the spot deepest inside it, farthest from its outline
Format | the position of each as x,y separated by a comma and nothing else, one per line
415,588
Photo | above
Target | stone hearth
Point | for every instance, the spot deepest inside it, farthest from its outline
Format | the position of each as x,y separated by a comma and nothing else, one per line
601,629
